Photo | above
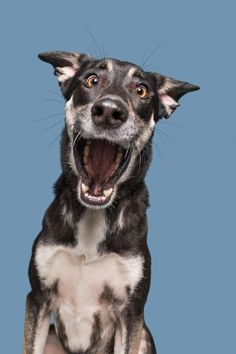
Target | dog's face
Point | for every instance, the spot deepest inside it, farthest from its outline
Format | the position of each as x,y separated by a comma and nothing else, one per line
111,111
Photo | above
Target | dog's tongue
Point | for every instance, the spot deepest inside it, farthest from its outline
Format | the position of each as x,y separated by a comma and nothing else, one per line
101,163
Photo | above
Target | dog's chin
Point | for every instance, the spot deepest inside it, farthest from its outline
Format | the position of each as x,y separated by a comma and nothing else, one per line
100,165
95,202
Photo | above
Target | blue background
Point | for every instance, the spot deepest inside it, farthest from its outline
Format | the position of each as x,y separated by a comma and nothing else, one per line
191,306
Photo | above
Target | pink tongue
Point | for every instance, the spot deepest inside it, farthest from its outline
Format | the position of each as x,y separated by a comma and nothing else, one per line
101,162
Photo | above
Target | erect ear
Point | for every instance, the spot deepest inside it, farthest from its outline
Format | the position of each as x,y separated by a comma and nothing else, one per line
170,91
65,64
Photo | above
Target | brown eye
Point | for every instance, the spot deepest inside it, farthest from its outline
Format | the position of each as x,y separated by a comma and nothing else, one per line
142,91
92,80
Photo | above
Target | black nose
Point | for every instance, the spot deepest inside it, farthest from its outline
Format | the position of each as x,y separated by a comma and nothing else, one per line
109,113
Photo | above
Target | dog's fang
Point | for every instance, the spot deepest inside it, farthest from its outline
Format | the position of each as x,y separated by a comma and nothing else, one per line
108,192
84,187
119,158
86,151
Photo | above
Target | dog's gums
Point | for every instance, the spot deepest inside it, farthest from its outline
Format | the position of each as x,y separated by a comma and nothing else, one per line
100,165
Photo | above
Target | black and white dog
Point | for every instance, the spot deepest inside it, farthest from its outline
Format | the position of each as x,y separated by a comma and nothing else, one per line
90,264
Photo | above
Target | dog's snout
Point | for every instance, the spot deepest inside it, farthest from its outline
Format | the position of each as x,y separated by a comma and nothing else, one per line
109,113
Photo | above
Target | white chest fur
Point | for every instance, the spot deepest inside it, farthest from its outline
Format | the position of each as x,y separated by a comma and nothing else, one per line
81,276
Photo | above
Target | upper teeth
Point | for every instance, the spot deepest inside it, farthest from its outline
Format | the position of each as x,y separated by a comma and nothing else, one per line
86,152
84,187
119,157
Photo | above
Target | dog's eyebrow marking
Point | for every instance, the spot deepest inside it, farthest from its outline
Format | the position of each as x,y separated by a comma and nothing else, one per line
131,72
135,72
147,132
109,65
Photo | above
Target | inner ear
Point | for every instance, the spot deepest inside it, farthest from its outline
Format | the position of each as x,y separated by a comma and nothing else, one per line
170,91
64,73
65,64
169,105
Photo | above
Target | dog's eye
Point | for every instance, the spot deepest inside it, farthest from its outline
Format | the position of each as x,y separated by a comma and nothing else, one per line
142,91
92,80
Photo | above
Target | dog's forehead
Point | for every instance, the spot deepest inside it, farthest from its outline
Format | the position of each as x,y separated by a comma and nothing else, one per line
122,66
115,66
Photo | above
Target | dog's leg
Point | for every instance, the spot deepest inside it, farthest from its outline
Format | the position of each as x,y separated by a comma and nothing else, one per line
53,345
128,336
146,345
36,324
133,338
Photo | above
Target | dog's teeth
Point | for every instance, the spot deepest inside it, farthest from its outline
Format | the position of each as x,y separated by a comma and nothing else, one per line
95,199
84,187
118,158
107,192
86,151
85,160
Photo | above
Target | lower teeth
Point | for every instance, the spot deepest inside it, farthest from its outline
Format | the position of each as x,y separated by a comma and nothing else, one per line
93,198
108,192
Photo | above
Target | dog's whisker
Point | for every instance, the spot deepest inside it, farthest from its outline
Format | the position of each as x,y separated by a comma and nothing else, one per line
95,41
53,125
90,52
48,117
54,140
152,53
54,93
76,138
158,149
164,122
52,100
152,67
161,137
164,133
103,52
143,57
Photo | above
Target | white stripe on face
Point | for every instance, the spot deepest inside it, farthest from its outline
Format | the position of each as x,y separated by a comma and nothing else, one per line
146,134
131,72
109,65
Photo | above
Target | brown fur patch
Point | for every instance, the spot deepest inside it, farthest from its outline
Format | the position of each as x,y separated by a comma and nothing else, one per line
108,297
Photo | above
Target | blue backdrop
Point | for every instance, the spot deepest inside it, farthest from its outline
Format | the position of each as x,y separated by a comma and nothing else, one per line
191,306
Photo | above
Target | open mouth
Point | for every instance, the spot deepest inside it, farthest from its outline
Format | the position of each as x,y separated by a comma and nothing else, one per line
100,164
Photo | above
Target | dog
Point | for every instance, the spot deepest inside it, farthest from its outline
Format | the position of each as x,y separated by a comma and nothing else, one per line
90,264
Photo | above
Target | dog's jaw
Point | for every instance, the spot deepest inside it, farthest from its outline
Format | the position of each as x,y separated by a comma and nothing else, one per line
95,202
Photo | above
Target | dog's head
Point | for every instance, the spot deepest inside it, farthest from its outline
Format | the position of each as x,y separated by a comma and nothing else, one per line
111,110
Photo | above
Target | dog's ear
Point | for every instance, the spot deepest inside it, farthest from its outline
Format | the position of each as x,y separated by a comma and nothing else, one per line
170,91
66,64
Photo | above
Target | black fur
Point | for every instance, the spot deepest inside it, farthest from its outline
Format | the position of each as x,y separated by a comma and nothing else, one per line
131,195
